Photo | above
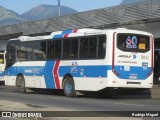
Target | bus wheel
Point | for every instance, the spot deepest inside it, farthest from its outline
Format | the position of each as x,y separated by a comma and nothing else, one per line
68,87
23,88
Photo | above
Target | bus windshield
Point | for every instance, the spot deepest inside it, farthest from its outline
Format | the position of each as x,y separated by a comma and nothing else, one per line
133,42
1,59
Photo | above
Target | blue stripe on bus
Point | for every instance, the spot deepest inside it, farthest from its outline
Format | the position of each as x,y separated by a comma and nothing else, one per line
88,71
62,34
79,71
137,72
49,79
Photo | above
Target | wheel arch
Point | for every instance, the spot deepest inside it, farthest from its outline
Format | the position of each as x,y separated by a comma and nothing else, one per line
18,81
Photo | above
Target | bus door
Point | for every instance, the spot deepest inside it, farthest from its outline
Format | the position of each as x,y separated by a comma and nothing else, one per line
10,60
132,56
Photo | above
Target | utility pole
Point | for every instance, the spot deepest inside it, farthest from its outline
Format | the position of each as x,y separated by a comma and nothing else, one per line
25,16
59,7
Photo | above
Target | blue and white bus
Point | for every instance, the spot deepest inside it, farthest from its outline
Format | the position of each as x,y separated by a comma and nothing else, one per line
81,60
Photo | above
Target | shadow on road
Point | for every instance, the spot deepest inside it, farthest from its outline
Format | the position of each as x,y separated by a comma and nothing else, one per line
120,94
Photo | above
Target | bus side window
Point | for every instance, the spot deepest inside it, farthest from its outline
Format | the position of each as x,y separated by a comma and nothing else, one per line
38,51
92,47
66,48
83,48
102,47
57,52
74,49
50,50
21,52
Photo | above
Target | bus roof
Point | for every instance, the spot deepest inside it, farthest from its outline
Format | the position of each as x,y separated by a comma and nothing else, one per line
70,33
62,34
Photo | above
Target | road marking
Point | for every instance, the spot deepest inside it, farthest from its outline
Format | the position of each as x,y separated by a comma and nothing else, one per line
129,104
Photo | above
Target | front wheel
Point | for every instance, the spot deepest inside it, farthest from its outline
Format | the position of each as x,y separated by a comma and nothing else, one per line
68,86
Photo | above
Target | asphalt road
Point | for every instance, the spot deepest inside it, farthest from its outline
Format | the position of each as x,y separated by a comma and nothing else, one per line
81,103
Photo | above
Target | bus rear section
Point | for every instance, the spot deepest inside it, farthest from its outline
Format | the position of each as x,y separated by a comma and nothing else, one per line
132,60
2,66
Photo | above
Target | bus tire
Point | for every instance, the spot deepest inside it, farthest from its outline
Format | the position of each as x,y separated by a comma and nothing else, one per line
68,87
23,88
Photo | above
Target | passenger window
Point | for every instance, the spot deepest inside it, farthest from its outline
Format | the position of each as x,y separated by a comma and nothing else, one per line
102,47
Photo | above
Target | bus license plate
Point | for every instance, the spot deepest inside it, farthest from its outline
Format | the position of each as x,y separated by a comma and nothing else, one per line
133,77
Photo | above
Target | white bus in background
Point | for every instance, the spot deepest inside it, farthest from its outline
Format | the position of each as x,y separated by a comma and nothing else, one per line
82,60
2,65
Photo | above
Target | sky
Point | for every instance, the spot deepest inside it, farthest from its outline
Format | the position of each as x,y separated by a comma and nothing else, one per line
21,6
